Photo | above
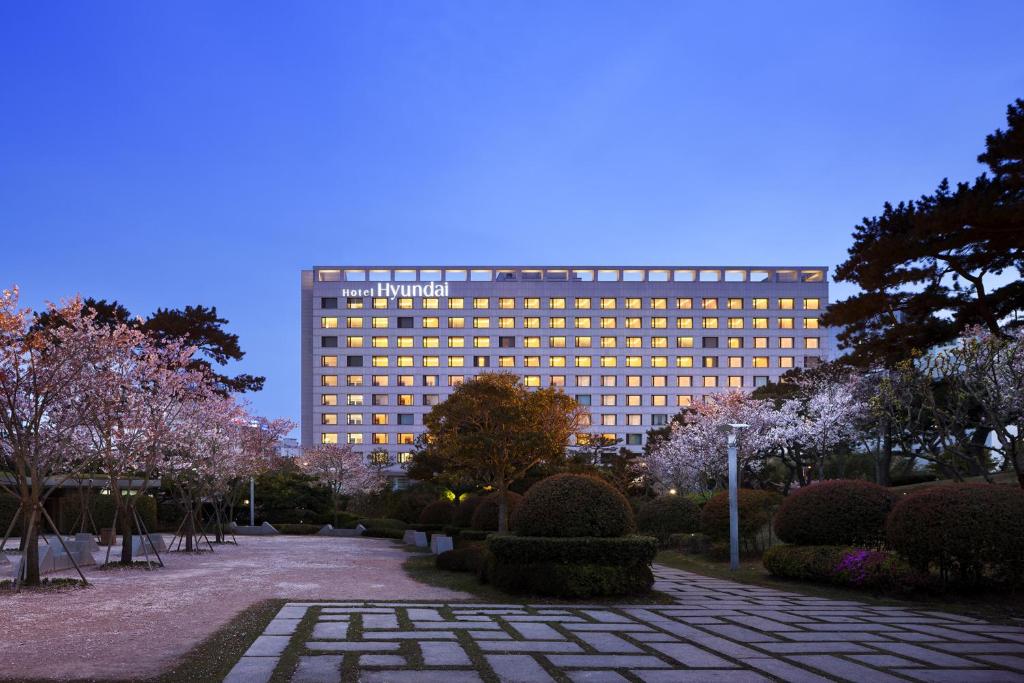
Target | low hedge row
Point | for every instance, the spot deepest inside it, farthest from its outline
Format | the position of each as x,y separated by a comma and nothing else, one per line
384,533
383,523
622,551
297,529
570,580
845,566
570,567
473,535
469,558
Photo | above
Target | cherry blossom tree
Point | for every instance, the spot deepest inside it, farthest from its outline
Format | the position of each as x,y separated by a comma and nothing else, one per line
695,455
342,470
43,396
136,390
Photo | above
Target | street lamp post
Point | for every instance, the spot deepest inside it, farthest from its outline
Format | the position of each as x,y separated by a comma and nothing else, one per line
734,502
252,501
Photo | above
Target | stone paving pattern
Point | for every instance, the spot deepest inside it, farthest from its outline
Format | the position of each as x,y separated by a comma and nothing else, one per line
716,631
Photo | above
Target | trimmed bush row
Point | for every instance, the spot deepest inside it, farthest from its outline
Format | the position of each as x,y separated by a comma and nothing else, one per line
570,580
624,551
470,558
844,566
297,529
837,512
962,530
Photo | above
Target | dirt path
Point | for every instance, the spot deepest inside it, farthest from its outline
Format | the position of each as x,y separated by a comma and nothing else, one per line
134,624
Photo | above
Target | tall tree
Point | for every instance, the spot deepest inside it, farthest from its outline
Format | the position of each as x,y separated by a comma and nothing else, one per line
199,327
932,267
495,427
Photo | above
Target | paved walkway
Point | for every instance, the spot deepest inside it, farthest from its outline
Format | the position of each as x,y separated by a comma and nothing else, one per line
717,631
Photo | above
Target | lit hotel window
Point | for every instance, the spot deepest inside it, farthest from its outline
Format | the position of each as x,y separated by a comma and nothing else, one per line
760,304
709,302
684,303
582,302
455,303
734,304
556,302
329,438
481,302
329,323
556,323
812,304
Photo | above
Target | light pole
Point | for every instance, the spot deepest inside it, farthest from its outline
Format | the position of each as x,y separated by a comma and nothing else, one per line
252,501
734,501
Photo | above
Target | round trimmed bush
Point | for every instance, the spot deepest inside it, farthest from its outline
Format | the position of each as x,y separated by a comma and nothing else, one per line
571,505
438,512
961,529
485,516
667,515
464,511
837,512
755,506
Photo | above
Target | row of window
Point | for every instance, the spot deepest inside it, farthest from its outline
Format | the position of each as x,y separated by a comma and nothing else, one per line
583,322
580,302
559,362
561,342
706,381
407,439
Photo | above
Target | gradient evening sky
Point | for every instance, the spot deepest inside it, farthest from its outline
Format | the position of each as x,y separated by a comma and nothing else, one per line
165,154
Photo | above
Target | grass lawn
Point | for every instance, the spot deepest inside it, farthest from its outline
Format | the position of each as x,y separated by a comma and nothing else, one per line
1007,607
420,566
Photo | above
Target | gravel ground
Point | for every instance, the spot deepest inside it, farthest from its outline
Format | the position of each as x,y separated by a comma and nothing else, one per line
134,624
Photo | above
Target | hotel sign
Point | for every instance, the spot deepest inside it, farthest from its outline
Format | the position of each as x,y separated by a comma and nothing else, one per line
392,291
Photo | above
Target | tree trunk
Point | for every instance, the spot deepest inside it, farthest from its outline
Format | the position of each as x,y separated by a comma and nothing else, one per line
30,556
502,506
190,525
127,525
883,463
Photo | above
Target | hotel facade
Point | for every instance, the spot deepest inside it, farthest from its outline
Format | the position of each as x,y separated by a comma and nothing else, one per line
635,345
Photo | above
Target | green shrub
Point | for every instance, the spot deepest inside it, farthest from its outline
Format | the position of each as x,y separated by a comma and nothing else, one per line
397,534
346,520
836,512
668,515
468,558
571,580
967,531
689,543
429,528
570,505
623,550
440,512
485,516
474,535
845,566
464,511
755,510
382,524
297,529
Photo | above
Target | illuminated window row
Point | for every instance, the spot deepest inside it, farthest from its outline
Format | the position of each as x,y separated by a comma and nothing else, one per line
579,342
579,303
578,322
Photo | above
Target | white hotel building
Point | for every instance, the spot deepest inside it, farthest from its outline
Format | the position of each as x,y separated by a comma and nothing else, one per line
382,344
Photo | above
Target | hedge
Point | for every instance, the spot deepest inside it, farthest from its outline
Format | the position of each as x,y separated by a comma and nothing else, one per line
755,507
474,535
623,551
571,505
845,566
464,511
837,512
971,532
297,529
397,534
485,516
102,508
469,558
570,567
668,515
439,513
383,523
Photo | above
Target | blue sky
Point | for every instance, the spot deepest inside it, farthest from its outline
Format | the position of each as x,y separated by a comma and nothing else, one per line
196,152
